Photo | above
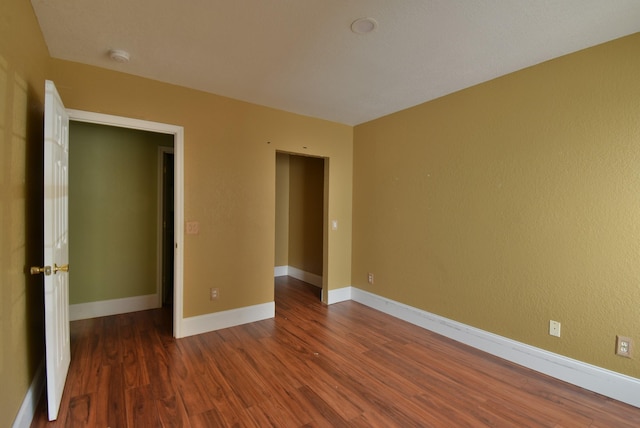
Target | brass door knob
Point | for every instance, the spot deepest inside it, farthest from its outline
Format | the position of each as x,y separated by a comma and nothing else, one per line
35,270
64,268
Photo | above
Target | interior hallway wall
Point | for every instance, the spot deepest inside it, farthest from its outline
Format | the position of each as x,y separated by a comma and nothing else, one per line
113,211
282,210
306,192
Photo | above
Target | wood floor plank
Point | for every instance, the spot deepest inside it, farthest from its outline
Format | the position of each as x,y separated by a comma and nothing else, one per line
198,387
171,412
212,418
238,371
157,365
276,378
311,366
111,346
141,407
113,401
133,356
81,412
327,413
100,405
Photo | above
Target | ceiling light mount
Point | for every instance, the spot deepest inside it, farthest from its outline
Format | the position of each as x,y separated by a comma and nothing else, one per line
119,55
364,25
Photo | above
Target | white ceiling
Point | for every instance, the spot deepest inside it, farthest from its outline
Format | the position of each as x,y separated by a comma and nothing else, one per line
301,55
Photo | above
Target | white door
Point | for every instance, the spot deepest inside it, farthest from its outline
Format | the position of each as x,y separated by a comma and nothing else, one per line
56,247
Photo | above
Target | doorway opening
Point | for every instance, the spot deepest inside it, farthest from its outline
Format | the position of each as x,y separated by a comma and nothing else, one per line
300,218
167,209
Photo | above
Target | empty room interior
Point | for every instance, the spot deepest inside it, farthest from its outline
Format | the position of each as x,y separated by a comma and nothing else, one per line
382,181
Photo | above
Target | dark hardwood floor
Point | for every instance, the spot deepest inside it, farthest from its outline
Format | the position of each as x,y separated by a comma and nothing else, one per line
310,366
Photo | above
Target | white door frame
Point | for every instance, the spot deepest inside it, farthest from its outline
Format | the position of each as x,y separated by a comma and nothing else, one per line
178,145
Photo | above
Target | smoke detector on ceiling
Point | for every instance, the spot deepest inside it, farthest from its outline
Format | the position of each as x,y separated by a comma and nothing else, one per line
119,55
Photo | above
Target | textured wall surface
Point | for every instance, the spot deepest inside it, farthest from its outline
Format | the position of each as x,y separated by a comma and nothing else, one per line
229,174
512,203
282,210
23,65
305,213
113,211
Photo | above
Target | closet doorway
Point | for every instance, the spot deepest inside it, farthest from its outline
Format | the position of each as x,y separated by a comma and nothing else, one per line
300,217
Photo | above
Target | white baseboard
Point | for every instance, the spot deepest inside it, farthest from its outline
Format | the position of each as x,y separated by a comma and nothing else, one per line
308,277
280,271
602,381
105,308
339,295
231,318
30,403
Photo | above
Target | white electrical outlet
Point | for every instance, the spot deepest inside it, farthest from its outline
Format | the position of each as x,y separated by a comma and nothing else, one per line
214,293
554,328
370,278
623,346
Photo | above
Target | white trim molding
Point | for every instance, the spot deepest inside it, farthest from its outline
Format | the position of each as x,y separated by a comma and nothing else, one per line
339,295
32,397
602,381
308,277
103,308
280,271
178,196
225,319
335,296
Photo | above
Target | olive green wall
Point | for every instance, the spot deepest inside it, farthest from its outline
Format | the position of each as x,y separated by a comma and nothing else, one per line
23,66
230,149
113,211
306,192
512,203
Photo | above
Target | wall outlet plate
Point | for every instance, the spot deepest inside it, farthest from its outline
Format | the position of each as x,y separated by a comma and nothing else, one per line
623,346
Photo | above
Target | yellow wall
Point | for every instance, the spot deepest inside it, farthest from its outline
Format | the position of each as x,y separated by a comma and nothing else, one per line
230,152
306,193
512,203
113,211
23,65
299,212
282,210
501,206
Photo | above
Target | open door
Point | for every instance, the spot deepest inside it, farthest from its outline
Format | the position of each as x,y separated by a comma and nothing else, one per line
56,247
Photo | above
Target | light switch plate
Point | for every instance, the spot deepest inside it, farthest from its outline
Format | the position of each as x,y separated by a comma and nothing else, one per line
554,328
